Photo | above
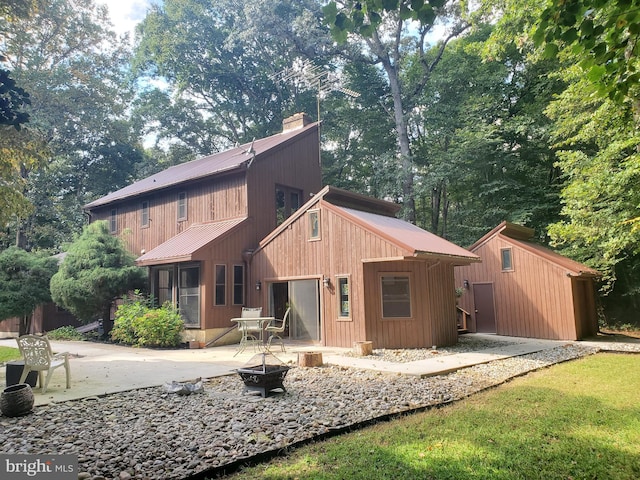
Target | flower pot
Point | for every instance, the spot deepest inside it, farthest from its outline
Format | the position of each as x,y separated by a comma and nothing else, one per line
16,400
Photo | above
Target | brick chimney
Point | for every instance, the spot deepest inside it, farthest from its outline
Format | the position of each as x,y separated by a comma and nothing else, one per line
297,120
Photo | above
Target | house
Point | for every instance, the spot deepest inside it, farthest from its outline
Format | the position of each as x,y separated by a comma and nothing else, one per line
252,226
353,272
523,289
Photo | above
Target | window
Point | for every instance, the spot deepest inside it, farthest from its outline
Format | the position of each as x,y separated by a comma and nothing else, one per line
396,296
144,214
314,225
113,221
288,200
344,304
505,255
163,291
238,284
182,206
221,285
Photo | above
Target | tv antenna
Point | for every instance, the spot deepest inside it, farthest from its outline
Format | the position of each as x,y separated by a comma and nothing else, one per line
313,76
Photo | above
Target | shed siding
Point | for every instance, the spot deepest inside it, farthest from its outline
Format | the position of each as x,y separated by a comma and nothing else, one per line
533,300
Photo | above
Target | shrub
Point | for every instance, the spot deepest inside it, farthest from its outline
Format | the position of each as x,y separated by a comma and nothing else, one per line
138,323
65,333
159,328
132,308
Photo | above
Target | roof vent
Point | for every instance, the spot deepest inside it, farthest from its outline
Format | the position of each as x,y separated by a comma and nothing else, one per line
297,120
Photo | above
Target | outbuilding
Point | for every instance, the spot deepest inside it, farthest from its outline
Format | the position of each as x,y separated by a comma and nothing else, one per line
524,289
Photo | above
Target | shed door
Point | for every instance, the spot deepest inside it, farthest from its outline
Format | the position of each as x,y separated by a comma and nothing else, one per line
485,313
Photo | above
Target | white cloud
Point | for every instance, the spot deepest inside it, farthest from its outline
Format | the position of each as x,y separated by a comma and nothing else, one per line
126,14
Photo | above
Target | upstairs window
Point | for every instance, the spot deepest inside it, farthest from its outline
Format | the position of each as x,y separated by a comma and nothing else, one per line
144,214
288,200
182,206
113,221
507,261
314,224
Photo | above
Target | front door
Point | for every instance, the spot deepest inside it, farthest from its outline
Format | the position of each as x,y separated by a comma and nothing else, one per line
485,313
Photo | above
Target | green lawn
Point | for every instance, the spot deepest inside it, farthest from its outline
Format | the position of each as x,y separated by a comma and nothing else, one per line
577,420
9,353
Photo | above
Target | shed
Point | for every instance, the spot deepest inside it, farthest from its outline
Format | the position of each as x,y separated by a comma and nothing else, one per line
524,289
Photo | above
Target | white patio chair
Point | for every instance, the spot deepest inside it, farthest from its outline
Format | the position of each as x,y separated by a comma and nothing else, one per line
276,331
38,356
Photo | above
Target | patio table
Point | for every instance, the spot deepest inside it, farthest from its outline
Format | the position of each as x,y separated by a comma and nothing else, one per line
252,330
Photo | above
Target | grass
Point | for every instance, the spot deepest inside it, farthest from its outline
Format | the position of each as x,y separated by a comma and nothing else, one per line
577,420
9,353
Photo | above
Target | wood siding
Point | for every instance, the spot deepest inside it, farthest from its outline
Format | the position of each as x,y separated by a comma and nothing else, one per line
535,299
340,252
207,201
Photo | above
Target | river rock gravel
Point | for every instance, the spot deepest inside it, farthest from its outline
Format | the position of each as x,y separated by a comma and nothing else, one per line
151,434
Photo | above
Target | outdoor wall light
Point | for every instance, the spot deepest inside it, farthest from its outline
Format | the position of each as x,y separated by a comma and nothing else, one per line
326,282
258,285
466,284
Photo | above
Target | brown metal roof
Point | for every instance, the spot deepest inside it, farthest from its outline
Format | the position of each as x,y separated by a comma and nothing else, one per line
183,246
229,160
416,241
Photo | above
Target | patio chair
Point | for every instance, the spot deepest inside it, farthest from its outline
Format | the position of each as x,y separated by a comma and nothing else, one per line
248,330
276,331
38,356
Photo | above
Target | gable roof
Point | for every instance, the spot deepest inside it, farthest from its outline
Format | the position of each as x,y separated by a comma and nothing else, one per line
520,236
183,247
237,158
361,210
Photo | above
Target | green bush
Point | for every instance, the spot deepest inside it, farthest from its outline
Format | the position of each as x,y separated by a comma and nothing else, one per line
159,328
132,308
65,333
138,323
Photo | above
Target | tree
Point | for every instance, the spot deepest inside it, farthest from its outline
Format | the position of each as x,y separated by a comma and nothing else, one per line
96,270
604,36
219,62
393,31
24,284
77,74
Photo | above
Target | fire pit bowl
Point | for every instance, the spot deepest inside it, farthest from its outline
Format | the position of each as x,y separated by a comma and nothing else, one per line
263,373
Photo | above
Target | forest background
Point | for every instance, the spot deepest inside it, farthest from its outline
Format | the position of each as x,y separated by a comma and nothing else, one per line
465,113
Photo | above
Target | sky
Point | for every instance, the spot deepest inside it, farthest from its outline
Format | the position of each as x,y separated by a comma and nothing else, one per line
125,14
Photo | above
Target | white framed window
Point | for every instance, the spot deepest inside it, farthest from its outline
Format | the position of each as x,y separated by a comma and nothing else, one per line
113,221
238,284
344,297
314,224
506,259
220,291
182,206
144,214
395,290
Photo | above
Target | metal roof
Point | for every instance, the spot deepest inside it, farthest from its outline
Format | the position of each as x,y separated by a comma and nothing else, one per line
218,163
417,241
183,246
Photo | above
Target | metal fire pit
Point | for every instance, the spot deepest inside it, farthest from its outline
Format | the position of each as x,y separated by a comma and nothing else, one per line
263,373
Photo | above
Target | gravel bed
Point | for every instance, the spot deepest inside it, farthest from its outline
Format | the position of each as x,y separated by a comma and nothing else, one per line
151,434
464,344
